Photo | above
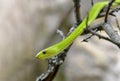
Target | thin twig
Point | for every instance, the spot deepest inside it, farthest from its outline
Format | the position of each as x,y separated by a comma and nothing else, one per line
107,12
103,37
77,11
92,2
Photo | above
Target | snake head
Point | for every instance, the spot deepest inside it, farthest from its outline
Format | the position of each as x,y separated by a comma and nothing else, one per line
47,53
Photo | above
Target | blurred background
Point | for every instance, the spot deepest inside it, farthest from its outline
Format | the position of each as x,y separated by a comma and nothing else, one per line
27,26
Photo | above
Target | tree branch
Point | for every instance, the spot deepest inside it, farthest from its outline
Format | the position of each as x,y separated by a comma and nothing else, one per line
55,62
115,37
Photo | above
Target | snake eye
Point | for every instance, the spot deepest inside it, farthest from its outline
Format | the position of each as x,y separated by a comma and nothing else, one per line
44,52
